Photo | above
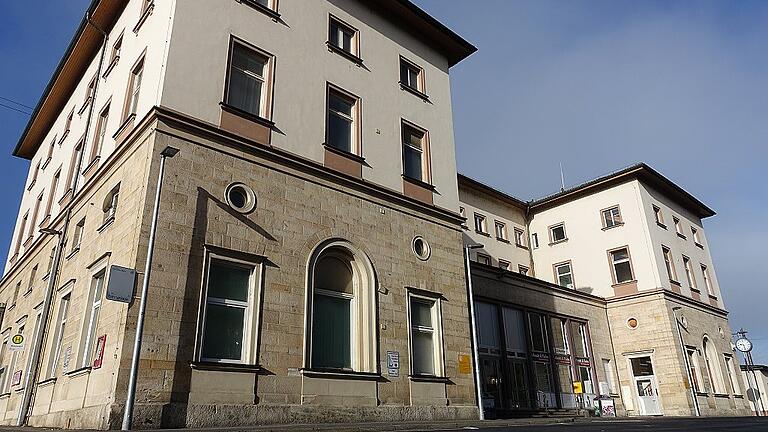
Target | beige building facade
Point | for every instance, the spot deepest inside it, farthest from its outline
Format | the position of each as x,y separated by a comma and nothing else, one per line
635,241
307,262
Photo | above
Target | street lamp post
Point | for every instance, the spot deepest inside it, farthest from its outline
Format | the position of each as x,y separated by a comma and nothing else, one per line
168,152
471,296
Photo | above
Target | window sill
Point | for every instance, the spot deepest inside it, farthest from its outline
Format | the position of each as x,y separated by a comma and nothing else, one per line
695,290
419,182
558,242
85,105
27,293
261,8
47,275
521,246
682,236
64,136
47,382
5,395
429,378
27,242
11,307
105,225
738,396
482,233
414,91
341,374
633,281
620,224
78,372
92,165
64,200
704,394
225,367
110,67
661,225
14,257
348,55
144,15
346,154
721,396
252,117
674,282
72,253
43,223
712,297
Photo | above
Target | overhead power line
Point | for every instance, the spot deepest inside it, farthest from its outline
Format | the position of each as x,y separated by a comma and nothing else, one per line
15,109
16,103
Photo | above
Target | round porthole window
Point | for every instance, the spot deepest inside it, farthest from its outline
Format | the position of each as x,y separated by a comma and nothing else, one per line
421,248
632,323
241,198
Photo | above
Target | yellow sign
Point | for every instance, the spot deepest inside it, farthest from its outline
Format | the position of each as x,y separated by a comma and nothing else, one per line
465,364
17,339
577,387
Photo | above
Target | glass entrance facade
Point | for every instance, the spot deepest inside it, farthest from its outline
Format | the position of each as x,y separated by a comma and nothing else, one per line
531,359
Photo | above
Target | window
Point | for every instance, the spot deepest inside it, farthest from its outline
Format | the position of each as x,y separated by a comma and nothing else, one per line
12,365
109,207
609,376
622,266
696,238
342,124
612,217
114,55
504,265
557,233
68,124
228,328
559,328
16,293
535,240
101,133
145,5
35,173
732,374
35,214
539,338
689,272
483,259
678,226
89,93
342,318
707,280
668,262
712,360
32,279
426,345
580,339
480,225
523,270
53,192
77,236
693,365
91,319
134,89
20,233
269,4
72,175
463,213
248,88
658,215
342,37
4,372
51,257
411,76
58,335
501,230
564,275
51,147
414,153
519,237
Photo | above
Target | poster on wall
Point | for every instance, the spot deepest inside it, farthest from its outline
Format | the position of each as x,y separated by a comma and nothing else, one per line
99,357
16,378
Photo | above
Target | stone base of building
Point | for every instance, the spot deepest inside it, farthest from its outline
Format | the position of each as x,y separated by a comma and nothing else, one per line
153,416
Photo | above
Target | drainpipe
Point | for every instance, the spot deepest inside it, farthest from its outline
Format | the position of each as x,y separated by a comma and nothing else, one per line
473,327
696,408
528,230
37,347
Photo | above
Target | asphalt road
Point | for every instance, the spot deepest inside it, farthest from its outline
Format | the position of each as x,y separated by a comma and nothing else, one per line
646,425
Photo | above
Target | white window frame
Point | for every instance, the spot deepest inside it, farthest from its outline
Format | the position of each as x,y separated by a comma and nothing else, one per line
669,263
609,376
707,279
552,229
732,374
501,230
437,331
693,363
535,240
265,78
355,145
611,217
558,275
615,262
423,151
91,317
481,227
343,28
690,277
519,237
658,215
58,337
250,342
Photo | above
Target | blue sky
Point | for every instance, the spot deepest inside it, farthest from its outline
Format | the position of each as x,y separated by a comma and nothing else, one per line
596,85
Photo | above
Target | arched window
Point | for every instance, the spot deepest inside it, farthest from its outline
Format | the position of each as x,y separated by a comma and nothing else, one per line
342,309
716,382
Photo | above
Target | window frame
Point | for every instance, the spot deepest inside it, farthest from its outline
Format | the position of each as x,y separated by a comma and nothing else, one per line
252,306
558,265
62,317
356,136
500,229
101,132
421,85
133,91
615,219
552,229
519,237
438,353
669,263
485,257
426,174
504,264
678,227
696,237
267,81
482,227
613,262
707,279
90,322
658,215
732,375
355,50
689,274
694,368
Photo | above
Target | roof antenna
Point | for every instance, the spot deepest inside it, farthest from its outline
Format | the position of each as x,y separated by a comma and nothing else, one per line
562,178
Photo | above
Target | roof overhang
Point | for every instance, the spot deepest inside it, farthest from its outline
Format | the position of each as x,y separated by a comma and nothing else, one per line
470,183
82,48
641,172
408,15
